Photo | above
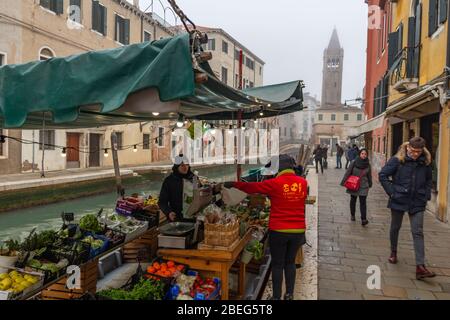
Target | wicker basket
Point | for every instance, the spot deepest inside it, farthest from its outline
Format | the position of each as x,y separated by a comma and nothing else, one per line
221,235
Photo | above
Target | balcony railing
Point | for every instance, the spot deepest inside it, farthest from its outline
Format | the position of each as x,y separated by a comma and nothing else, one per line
404,72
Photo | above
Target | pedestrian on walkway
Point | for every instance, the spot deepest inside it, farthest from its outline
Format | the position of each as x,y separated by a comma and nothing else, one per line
339,154
347,159
361,168
325,156
318,158
287,193
409,190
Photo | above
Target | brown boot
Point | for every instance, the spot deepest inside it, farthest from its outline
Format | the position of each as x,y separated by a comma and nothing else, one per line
393,257
422,273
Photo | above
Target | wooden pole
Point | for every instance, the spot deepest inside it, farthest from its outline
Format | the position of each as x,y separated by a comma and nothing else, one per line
114,147
239,167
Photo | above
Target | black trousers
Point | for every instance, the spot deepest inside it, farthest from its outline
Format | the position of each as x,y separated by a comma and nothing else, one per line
283,249
319,161
362,204
347,162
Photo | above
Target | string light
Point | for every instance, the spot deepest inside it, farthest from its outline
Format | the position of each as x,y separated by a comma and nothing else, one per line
180,121
155,114
135,148
230,130
213,130
63,153
106,153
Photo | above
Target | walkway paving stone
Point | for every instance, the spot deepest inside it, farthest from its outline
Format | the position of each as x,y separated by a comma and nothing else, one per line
346,249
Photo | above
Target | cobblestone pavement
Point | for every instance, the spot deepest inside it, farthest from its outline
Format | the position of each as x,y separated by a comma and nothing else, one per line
346,249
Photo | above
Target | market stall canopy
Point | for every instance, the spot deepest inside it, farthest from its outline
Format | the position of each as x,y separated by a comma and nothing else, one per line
128,84
370,125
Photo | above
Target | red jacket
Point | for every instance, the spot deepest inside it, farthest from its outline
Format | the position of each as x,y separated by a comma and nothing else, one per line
287,193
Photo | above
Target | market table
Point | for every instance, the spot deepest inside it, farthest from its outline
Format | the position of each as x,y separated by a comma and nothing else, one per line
217,261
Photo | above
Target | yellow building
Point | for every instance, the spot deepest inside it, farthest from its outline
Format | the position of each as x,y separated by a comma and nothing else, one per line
418,86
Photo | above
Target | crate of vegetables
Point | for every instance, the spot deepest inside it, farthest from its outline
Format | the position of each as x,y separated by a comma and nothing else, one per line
165,270
192,286
98,243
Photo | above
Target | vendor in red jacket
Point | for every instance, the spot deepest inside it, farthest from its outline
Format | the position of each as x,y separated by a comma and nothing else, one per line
287,193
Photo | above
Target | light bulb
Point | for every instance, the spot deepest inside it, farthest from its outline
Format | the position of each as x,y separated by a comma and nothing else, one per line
106,153
230,130
63,153
135,148
180,124
155,114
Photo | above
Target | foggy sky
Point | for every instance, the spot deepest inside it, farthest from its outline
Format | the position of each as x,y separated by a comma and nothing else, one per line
289,35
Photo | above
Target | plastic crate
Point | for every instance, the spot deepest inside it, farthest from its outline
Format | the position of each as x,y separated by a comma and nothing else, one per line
95,252
118,235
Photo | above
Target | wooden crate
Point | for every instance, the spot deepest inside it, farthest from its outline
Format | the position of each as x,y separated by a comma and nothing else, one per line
58,291
203,246
146,244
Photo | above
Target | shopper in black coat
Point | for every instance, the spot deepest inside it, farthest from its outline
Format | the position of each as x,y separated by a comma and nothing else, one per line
171,195
409,191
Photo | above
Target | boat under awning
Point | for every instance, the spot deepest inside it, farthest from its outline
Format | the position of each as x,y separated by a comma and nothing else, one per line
130,84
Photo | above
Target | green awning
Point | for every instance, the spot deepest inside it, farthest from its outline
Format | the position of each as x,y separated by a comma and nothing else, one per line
126,85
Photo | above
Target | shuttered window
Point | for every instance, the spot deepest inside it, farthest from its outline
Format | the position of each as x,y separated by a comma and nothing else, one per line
122,34
146,142
395,45
47,137
99,17
437,15
53,5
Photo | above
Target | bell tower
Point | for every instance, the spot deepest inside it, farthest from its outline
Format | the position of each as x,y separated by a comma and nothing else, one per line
333,61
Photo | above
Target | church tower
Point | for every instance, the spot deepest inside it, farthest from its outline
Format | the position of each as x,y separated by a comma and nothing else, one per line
333,61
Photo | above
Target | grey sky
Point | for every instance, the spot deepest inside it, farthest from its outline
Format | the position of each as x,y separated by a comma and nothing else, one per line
290,35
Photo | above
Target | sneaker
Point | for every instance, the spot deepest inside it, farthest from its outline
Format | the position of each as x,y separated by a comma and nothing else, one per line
364,222
393,258
422,273
288,296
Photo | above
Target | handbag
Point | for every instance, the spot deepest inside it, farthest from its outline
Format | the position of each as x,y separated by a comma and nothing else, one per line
353,183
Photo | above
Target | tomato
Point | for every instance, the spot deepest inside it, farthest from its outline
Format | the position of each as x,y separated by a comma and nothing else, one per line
156,265
151,270
180,267
170,264
164,265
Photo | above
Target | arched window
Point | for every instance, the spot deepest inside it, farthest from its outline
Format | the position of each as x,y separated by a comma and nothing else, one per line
45,54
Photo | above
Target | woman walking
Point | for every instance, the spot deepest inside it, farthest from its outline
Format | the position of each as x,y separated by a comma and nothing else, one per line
361,168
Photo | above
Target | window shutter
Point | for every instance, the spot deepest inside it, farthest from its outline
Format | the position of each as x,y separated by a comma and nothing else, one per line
95,15
104,19
432,18
126,26
392,48
411,44
443,11
386,93
117,29
59,6
418,34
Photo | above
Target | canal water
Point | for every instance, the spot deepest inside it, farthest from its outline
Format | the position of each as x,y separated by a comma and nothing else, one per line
17,224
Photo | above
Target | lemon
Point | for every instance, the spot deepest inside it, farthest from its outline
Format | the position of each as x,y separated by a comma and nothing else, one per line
19,279
33,280
3,276
6,283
